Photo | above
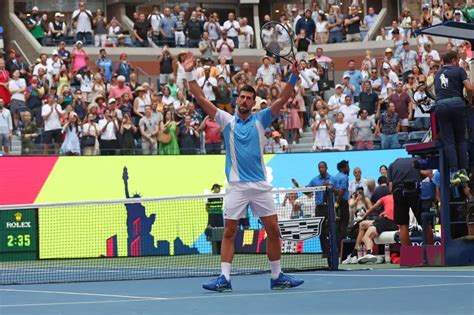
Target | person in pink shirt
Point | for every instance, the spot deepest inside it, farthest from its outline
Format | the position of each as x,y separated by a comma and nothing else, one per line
213,140
79,57
116,91
225,47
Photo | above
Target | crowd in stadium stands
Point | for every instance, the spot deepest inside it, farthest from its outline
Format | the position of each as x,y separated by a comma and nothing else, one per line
61,104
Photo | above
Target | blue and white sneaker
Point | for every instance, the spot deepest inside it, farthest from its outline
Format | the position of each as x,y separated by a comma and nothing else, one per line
219,285
284,281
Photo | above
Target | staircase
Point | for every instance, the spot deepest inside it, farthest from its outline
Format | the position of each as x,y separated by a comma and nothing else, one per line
305,144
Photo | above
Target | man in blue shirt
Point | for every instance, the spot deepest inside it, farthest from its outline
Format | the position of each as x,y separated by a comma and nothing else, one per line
355,78
246,174
323,179
451,112
106,64
167,28
341,188
307,23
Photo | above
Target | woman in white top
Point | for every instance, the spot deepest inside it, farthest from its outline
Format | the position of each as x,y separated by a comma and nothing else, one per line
341,132
321,29
382,34
180,73
91,129
139,102
72,130
321,130
113,30
168,100
223,70
98,86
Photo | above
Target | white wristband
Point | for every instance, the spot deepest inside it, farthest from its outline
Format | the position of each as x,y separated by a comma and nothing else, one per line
190,76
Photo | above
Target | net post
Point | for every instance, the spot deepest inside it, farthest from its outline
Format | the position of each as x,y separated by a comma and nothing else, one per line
334,256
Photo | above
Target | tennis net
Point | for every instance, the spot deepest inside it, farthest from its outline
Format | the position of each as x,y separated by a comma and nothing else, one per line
147,238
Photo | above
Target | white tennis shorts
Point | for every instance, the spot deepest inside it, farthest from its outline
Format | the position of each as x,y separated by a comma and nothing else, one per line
240,195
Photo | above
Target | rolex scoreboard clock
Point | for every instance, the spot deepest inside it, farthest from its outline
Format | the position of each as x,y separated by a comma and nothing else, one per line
18,235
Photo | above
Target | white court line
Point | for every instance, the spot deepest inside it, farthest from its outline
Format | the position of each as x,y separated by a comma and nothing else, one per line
382,276
83,294
228,295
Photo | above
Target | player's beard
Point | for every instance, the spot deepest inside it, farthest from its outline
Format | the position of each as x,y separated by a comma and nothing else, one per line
244,110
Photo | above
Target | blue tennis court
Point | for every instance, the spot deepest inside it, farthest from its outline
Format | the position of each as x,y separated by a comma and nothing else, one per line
387,291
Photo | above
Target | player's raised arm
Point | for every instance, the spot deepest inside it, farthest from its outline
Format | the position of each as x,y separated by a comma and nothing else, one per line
195,89
287,92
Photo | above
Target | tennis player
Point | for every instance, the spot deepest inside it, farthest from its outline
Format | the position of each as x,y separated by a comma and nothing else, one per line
244,136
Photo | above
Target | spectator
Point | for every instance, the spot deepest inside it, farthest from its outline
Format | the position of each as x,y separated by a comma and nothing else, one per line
246,35
34,101
335,102
42,64
408,58
128,130
426,19
83,20
215,218
141,29
322,134
383,170
149,130
114,29
349,110
358,182
341,184
52,114
64,54
208,84
28,135
213,28
391,75
58,28
266,72
34,24
225,47
403,105
383,35
105,64
341,132
370,18
206,46
17,88
168,100
71,130
223,70
395,26
352,23
212,135
405,19
335,21
381,189
447,12
414,29
6,127
375,82
193,30
422,105
109,128
388,127
168,126
188,137
232,28
155,18
167,28
355,78
293,122
281,145
166,64
295,16
124,68
244,76
363,131
223,95
179,37
306,23
321,29
79,58
368,99
302,45
347,88
91,131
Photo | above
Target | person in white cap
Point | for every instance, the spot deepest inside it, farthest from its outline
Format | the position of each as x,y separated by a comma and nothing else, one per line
392,76
335,102
57,28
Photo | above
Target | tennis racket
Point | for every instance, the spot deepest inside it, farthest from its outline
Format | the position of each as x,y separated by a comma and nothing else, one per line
277,40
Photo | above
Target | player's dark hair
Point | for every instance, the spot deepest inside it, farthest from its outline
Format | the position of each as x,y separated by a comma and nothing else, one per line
248,88
342,164
449,57
382,180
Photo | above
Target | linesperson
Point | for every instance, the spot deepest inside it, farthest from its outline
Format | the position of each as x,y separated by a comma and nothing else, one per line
246,175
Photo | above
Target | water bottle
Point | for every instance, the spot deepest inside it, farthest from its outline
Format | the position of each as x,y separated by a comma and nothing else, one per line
387,253
364,250
359,251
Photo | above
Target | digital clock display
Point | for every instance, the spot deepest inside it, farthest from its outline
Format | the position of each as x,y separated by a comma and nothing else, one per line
18,232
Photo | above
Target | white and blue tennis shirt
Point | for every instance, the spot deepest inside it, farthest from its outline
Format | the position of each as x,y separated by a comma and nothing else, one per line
244,141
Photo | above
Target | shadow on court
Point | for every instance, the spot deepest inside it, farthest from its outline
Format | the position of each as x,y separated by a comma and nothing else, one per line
397,291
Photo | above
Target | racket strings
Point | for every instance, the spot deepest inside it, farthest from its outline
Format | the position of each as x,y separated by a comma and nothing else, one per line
276,39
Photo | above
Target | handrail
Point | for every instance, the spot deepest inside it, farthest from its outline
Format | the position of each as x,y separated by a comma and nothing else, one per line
372,32
140,70
25,57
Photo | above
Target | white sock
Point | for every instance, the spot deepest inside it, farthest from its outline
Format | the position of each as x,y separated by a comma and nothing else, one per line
276,269
225,270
